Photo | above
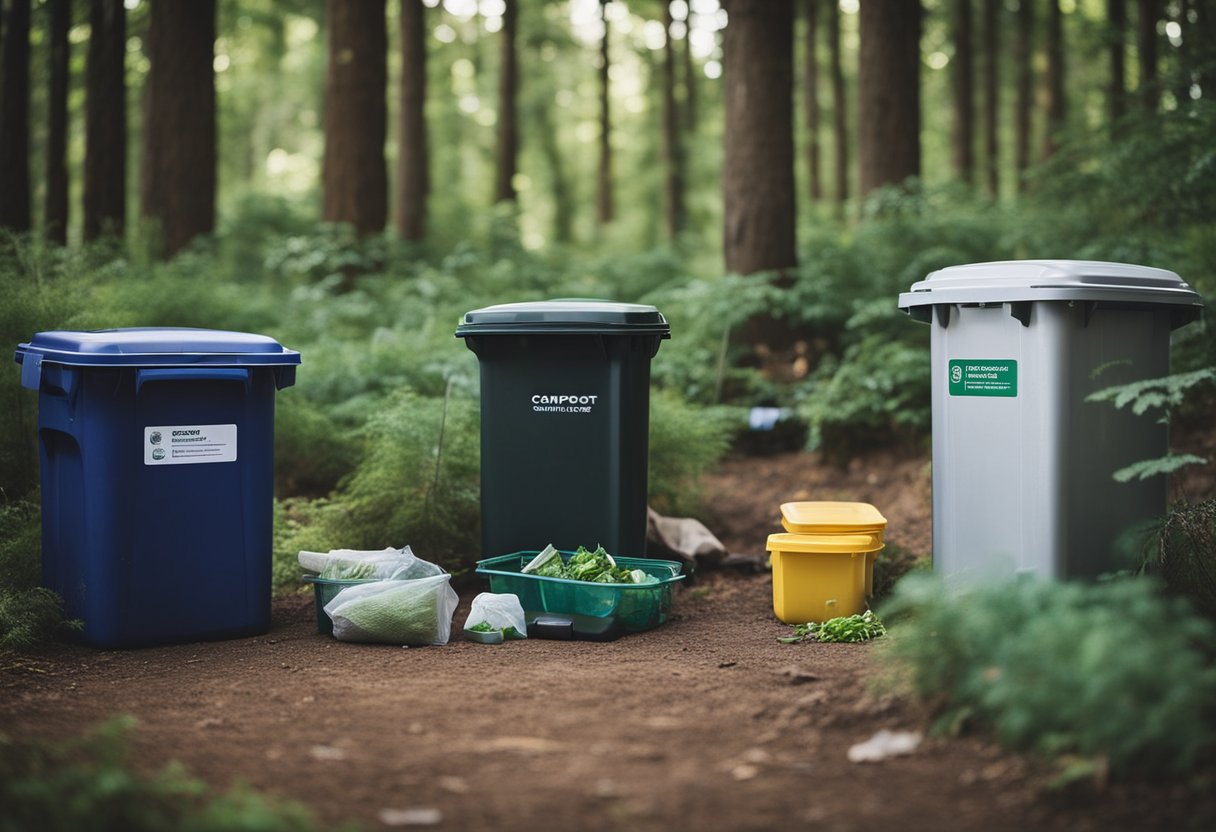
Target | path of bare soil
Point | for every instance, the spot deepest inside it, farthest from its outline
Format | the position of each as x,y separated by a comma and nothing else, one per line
705,723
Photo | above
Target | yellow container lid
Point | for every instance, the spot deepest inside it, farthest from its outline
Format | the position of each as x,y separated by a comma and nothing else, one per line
831,518
824,543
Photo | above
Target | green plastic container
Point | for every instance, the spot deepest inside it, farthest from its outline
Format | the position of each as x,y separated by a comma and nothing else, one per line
566,609
323,591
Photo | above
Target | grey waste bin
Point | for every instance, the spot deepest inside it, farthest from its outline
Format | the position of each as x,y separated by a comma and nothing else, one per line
1022,463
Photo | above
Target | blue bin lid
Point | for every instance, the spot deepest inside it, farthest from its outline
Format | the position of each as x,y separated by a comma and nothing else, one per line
155,347
565,316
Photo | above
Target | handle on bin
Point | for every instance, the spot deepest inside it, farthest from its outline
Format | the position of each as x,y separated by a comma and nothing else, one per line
144,376
551,626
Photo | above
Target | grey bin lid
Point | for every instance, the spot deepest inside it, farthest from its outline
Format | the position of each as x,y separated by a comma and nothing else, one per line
1014,281
565,317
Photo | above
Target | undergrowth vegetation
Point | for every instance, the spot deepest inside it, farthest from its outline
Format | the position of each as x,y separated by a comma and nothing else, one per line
89,783
1111,679
377,444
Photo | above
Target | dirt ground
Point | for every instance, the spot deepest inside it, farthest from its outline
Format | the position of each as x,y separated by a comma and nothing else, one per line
704,723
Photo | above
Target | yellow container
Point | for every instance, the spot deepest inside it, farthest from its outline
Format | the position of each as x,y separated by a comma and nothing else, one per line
821,576
832,518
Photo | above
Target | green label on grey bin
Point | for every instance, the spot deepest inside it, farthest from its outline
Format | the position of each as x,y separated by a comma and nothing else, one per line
983,377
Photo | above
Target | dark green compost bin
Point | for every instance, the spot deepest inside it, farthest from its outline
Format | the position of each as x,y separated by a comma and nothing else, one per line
565,412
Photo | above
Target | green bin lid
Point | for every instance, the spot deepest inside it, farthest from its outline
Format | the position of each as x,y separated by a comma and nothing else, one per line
1013,281
565,316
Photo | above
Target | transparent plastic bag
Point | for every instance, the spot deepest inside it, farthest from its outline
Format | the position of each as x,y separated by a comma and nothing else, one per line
413,612
497,613
368,565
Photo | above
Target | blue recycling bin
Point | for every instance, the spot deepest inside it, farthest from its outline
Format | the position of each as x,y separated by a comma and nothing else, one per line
157,462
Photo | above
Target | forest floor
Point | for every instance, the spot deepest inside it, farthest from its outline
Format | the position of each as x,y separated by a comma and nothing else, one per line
704,723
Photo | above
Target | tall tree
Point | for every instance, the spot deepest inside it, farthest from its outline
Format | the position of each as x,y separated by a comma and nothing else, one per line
690,78
356,116
1148,12
810,59
1025,79
673,150
604,208
15,119
105,155
507,146
1057,108
177,178
962,76
840,105
758,169
992,89
55,222
413,182
1116,99
888,92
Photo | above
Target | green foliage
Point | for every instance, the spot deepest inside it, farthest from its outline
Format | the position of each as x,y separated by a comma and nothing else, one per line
28,613
88,783
1154,393
1165,394
416,483
685,442
1114,672
892,563
850,629
1186,554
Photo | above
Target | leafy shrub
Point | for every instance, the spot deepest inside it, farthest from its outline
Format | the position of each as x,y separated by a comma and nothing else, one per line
685,441
416,484
311,452
28,613
88,783
1186,554
1113,673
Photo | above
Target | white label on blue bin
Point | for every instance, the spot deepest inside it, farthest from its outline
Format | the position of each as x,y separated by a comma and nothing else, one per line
189,444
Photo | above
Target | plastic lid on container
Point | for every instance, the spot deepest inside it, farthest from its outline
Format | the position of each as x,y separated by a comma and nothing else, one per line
824,544
156,347
1013,281
565,316
827,517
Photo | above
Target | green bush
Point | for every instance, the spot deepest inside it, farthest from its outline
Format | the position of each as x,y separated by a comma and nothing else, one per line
1113,673
1186,554
88,783
685,441
28,613
416,484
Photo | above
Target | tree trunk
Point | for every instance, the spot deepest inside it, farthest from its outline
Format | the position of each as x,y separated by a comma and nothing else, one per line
888,92
840,106
673,156
560,192
15,119
1025,78
603,192
507,148
356,115
413,184
690,79
177,183
1148,12
55,222
1116,17
758,169
962,83
811,93
992,102
1056,105
105,155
